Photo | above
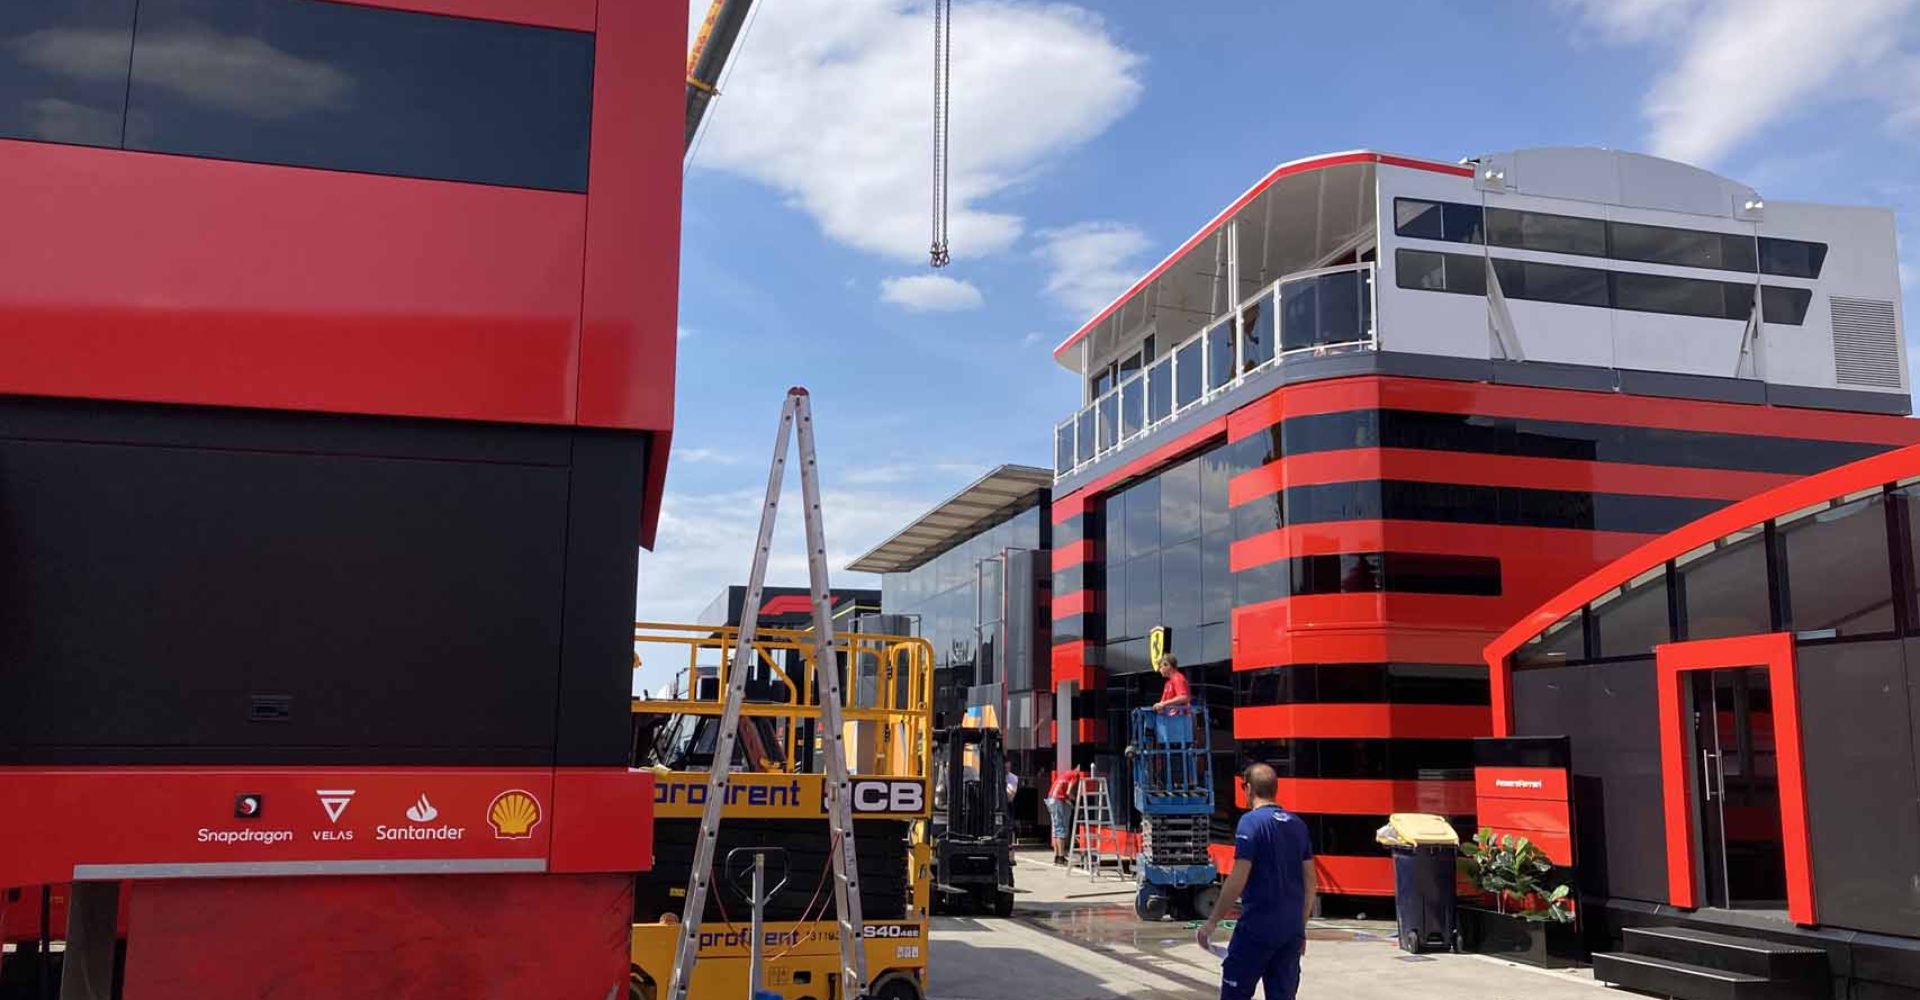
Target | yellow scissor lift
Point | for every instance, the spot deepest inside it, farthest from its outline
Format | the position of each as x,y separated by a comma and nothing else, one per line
775,799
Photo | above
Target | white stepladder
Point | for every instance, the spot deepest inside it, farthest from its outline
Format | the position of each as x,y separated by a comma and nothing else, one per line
796,415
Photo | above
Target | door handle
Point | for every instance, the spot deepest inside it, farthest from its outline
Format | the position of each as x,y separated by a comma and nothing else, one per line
1706,775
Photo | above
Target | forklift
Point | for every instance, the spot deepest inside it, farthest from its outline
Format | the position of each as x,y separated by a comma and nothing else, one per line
972,827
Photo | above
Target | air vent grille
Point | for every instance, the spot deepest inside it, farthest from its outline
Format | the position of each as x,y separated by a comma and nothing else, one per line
1866,348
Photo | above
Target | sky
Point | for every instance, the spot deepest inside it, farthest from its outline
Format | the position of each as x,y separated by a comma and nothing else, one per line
1088,141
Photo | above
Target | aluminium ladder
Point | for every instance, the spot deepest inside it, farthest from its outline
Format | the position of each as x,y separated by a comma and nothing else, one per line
796,414
1093,817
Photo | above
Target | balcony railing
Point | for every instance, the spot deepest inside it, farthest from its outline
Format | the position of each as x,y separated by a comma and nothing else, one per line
1315,313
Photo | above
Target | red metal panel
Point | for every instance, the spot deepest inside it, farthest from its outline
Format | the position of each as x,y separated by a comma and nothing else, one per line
602,820
187,819
629,302
1361,721
1864,474
123,279
1069,556
1070,506
574,14
1262,638
398,938
1370,796
1079,602
1355,876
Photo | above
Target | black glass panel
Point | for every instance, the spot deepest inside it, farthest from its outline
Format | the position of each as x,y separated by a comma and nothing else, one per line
1786,306
1545,232
1418,219
1363,758
1180,502
1632,622
345,87
1182,577
1186,375
1725,591
1682,296
1216,577
1791,258
1562,643
1142,529
1682,247
1256,333
1362,684
1325,309
1216,476
1143,594
1220,366
63,70
1528,280
1837,570
1159,392
1464,223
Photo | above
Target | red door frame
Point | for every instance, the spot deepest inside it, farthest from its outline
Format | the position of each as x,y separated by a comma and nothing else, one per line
1774,651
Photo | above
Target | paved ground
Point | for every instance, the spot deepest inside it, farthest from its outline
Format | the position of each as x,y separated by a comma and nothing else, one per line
1075,939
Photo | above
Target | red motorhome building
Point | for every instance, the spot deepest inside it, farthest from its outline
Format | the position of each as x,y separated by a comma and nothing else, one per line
336,391
1380,407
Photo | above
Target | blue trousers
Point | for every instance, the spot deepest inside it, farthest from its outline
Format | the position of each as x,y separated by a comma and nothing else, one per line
1275,966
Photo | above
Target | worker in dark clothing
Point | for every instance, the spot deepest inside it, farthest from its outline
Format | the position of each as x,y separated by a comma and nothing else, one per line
1273,878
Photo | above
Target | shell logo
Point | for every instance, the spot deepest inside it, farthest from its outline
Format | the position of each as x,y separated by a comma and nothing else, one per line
513,814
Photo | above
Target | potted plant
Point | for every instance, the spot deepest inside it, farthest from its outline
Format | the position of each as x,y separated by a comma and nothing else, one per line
1518,916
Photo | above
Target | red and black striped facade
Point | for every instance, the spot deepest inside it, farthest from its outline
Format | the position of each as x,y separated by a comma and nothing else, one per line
1383,530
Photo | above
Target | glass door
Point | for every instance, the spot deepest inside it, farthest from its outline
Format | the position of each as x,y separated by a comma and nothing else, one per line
1738,788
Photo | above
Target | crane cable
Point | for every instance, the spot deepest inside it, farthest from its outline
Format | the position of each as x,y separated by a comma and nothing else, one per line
942,63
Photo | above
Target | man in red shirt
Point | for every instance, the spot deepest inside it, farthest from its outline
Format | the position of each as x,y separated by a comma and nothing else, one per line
1066,787
1175,696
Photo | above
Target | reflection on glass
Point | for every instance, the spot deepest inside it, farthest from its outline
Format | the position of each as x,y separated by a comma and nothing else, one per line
1220,367
1160,390
1256,333
1186,374
1723,587
1132,406
1631,619
1836,564
1563,642
347,87
1063,448
63,70
1109,409
1083,430
1332,308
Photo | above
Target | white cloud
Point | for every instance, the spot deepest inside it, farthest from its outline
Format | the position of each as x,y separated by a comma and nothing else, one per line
1090,263
706,544
831,102
1739,65
705,456
930,293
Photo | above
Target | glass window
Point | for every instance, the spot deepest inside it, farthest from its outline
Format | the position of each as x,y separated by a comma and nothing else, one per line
1186,374
1682,247
1544,232
1835,561
1256,333
1682,296
1220,366
1142,529
1724,588
1102,381
1160,391
1115,536
1324,309
1630,620
1180,502
1423,573
346,87
1563,642
1143,594
1063,448
1421,270
1786,306
63,70
1216,576
1465,223
1132,406
1108,406
1216,475
1418,219
1791,258
1180,574
1524,279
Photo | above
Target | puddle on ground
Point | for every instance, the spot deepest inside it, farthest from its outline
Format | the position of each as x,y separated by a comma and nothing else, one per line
1111,925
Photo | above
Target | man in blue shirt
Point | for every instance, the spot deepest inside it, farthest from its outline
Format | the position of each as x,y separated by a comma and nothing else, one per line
1273,878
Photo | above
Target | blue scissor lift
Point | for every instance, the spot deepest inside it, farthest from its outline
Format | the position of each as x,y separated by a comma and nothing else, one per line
1173,792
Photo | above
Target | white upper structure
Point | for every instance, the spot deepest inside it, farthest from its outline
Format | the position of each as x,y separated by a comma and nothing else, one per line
1589,268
